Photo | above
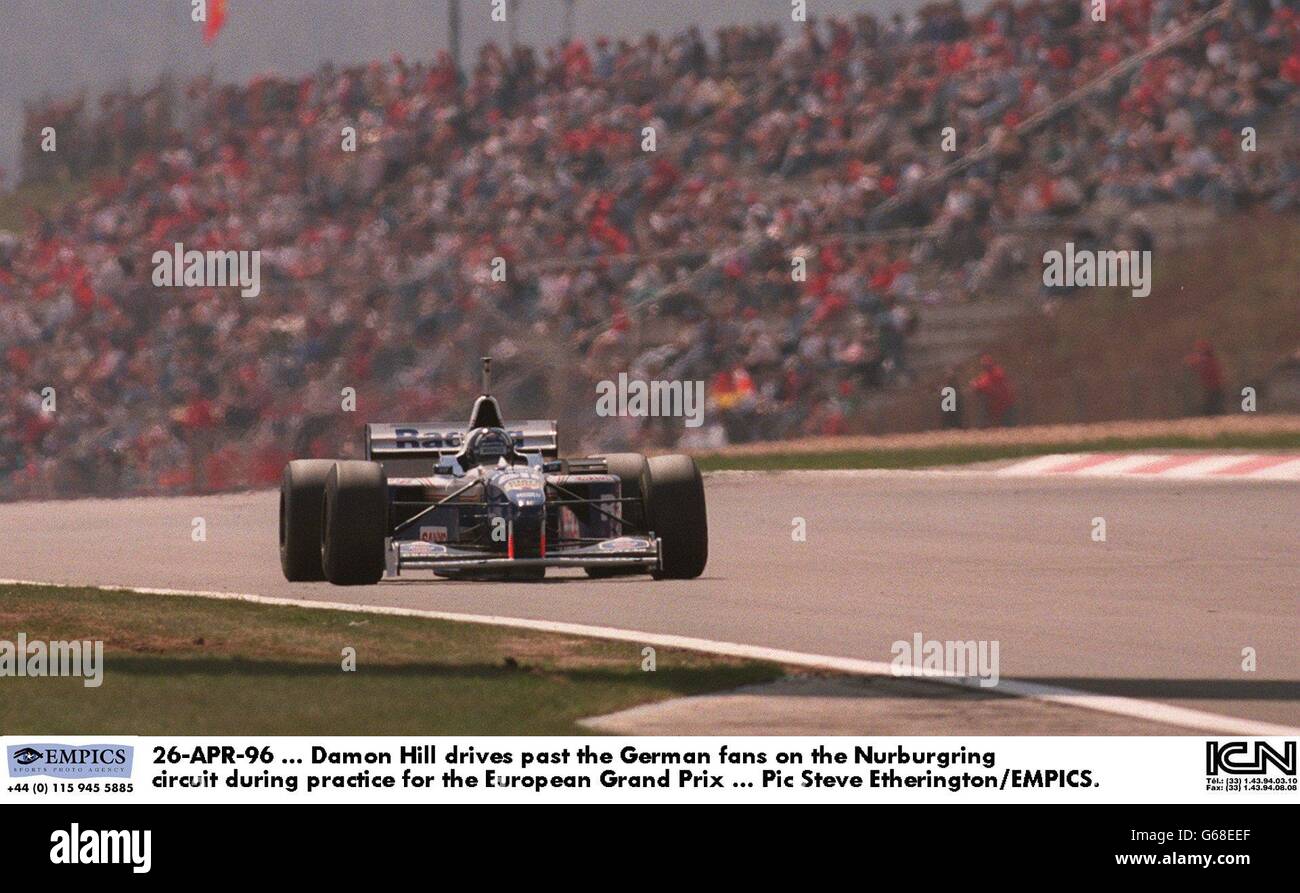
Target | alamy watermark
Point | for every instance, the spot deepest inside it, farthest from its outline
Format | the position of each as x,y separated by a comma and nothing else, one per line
635,398
36,658
86,846
1083,267
179,267
932,657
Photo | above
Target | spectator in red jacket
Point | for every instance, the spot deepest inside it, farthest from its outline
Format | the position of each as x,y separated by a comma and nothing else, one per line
996,392
1209,373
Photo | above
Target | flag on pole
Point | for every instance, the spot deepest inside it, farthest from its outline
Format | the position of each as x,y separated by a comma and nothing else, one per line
216,18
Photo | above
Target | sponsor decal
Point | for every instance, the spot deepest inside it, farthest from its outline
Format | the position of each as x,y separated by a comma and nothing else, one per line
70,760
570,528
491,443
624,544
416,439
511,483
421,548
433,534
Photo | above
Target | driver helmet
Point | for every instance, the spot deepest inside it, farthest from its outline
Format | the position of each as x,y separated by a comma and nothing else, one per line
485,446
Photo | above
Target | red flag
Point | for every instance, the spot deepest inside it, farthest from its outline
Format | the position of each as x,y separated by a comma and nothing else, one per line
216,18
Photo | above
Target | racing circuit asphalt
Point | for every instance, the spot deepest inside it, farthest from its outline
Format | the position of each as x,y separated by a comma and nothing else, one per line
1192,573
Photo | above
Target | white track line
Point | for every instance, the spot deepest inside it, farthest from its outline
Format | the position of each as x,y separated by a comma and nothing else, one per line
1151,711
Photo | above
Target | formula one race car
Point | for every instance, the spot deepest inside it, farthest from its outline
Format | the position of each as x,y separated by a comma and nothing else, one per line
488,500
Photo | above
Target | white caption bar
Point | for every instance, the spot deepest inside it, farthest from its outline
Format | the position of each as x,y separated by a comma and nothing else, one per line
647,769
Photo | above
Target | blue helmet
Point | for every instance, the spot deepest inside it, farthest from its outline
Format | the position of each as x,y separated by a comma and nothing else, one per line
485,446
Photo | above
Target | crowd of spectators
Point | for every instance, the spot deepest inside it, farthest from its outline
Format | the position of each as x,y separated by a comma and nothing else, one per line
378,265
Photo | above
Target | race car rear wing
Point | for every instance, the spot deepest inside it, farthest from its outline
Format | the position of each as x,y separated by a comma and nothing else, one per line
430,440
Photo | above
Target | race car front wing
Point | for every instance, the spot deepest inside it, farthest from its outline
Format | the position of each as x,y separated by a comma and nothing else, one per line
631,552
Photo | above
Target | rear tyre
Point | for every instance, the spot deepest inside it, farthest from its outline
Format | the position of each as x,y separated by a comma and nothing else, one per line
633,472
675,505
354,523
302,490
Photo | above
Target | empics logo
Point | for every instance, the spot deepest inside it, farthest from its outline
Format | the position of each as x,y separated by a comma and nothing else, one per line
25,756
70,760
90,847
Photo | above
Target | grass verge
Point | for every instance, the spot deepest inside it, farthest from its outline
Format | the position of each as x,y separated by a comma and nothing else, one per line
194,666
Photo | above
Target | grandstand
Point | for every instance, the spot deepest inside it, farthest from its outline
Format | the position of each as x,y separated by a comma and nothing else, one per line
672,264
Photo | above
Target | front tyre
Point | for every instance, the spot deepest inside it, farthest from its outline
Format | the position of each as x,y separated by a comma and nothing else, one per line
676,515
354,523
633,473
302,491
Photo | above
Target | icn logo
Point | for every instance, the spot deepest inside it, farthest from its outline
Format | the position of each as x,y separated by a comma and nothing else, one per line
1235,758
